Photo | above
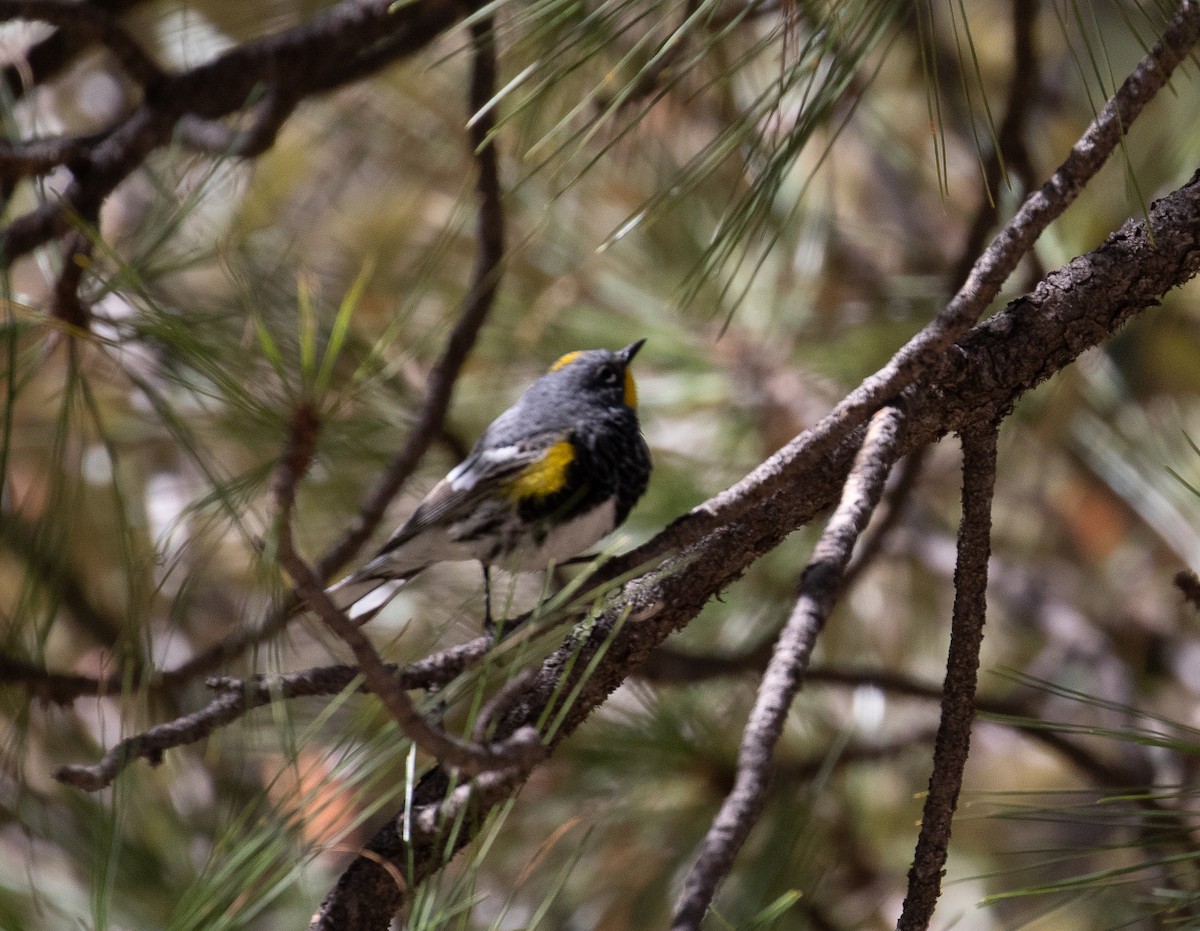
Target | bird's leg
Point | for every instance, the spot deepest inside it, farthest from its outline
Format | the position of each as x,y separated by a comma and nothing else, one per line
488,625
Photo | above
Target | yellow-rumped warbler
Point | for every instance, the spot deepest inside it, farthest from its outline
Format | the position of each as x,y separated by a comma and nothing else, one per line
549,477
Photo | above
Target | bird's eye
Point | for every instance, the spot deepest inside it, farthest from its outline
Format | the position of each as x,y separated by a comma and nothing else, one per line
608,375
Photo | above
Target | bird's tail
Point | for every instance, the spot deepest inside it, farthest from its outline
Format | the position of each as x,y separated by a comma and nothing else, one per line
361,597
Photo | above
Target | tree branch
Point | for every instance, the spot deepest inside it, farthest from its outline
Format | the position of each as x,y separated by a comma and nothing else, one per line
67,305
1188,584
819,587
1011,153
896,500
215,138
48,57
335,47
669,667
923,356
429,423
59,688
48,567
1071,310
94,24
480,296
953,742
237,698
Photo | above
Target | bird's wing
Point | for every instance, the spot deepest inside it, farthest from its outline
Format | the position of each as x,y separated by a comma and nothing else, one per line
473,480
482,475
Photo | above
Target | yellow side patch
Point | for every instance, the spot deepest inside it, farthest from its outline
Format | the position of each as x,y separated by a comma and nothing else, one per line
630,390
546,476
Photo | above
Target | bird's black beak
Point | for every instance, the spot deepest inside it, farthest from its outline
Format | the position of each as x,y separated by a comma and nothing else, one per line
630,351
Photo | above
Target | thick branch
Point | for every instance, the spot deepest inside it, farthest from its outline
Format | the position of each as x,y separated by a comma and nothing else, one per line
1072,310
923,356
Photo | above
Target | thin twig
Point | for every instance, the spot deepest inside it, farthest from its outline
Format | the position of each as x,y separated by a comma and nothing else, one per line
59,688
41,155
671,667
499,703
429,423
237,698
48,566
803,771
819,588
215,138
480,296
962,666
649,81
896,500
338,45
67,304
1011,155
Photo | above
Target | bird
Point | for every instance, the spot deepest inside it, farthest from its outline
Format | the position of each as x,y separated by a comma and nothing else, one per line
551,476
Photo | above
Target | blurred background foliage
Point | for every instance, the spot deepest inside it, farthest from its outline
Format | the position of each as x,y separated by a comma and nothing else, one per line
776,196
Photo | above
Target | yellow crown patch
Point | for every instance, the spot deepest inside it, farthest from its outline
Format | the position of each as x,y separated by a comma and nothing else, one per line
566,360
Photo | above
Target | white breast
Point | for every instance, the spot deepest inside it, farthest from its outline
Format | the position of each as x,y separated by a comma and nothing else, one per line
569,539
